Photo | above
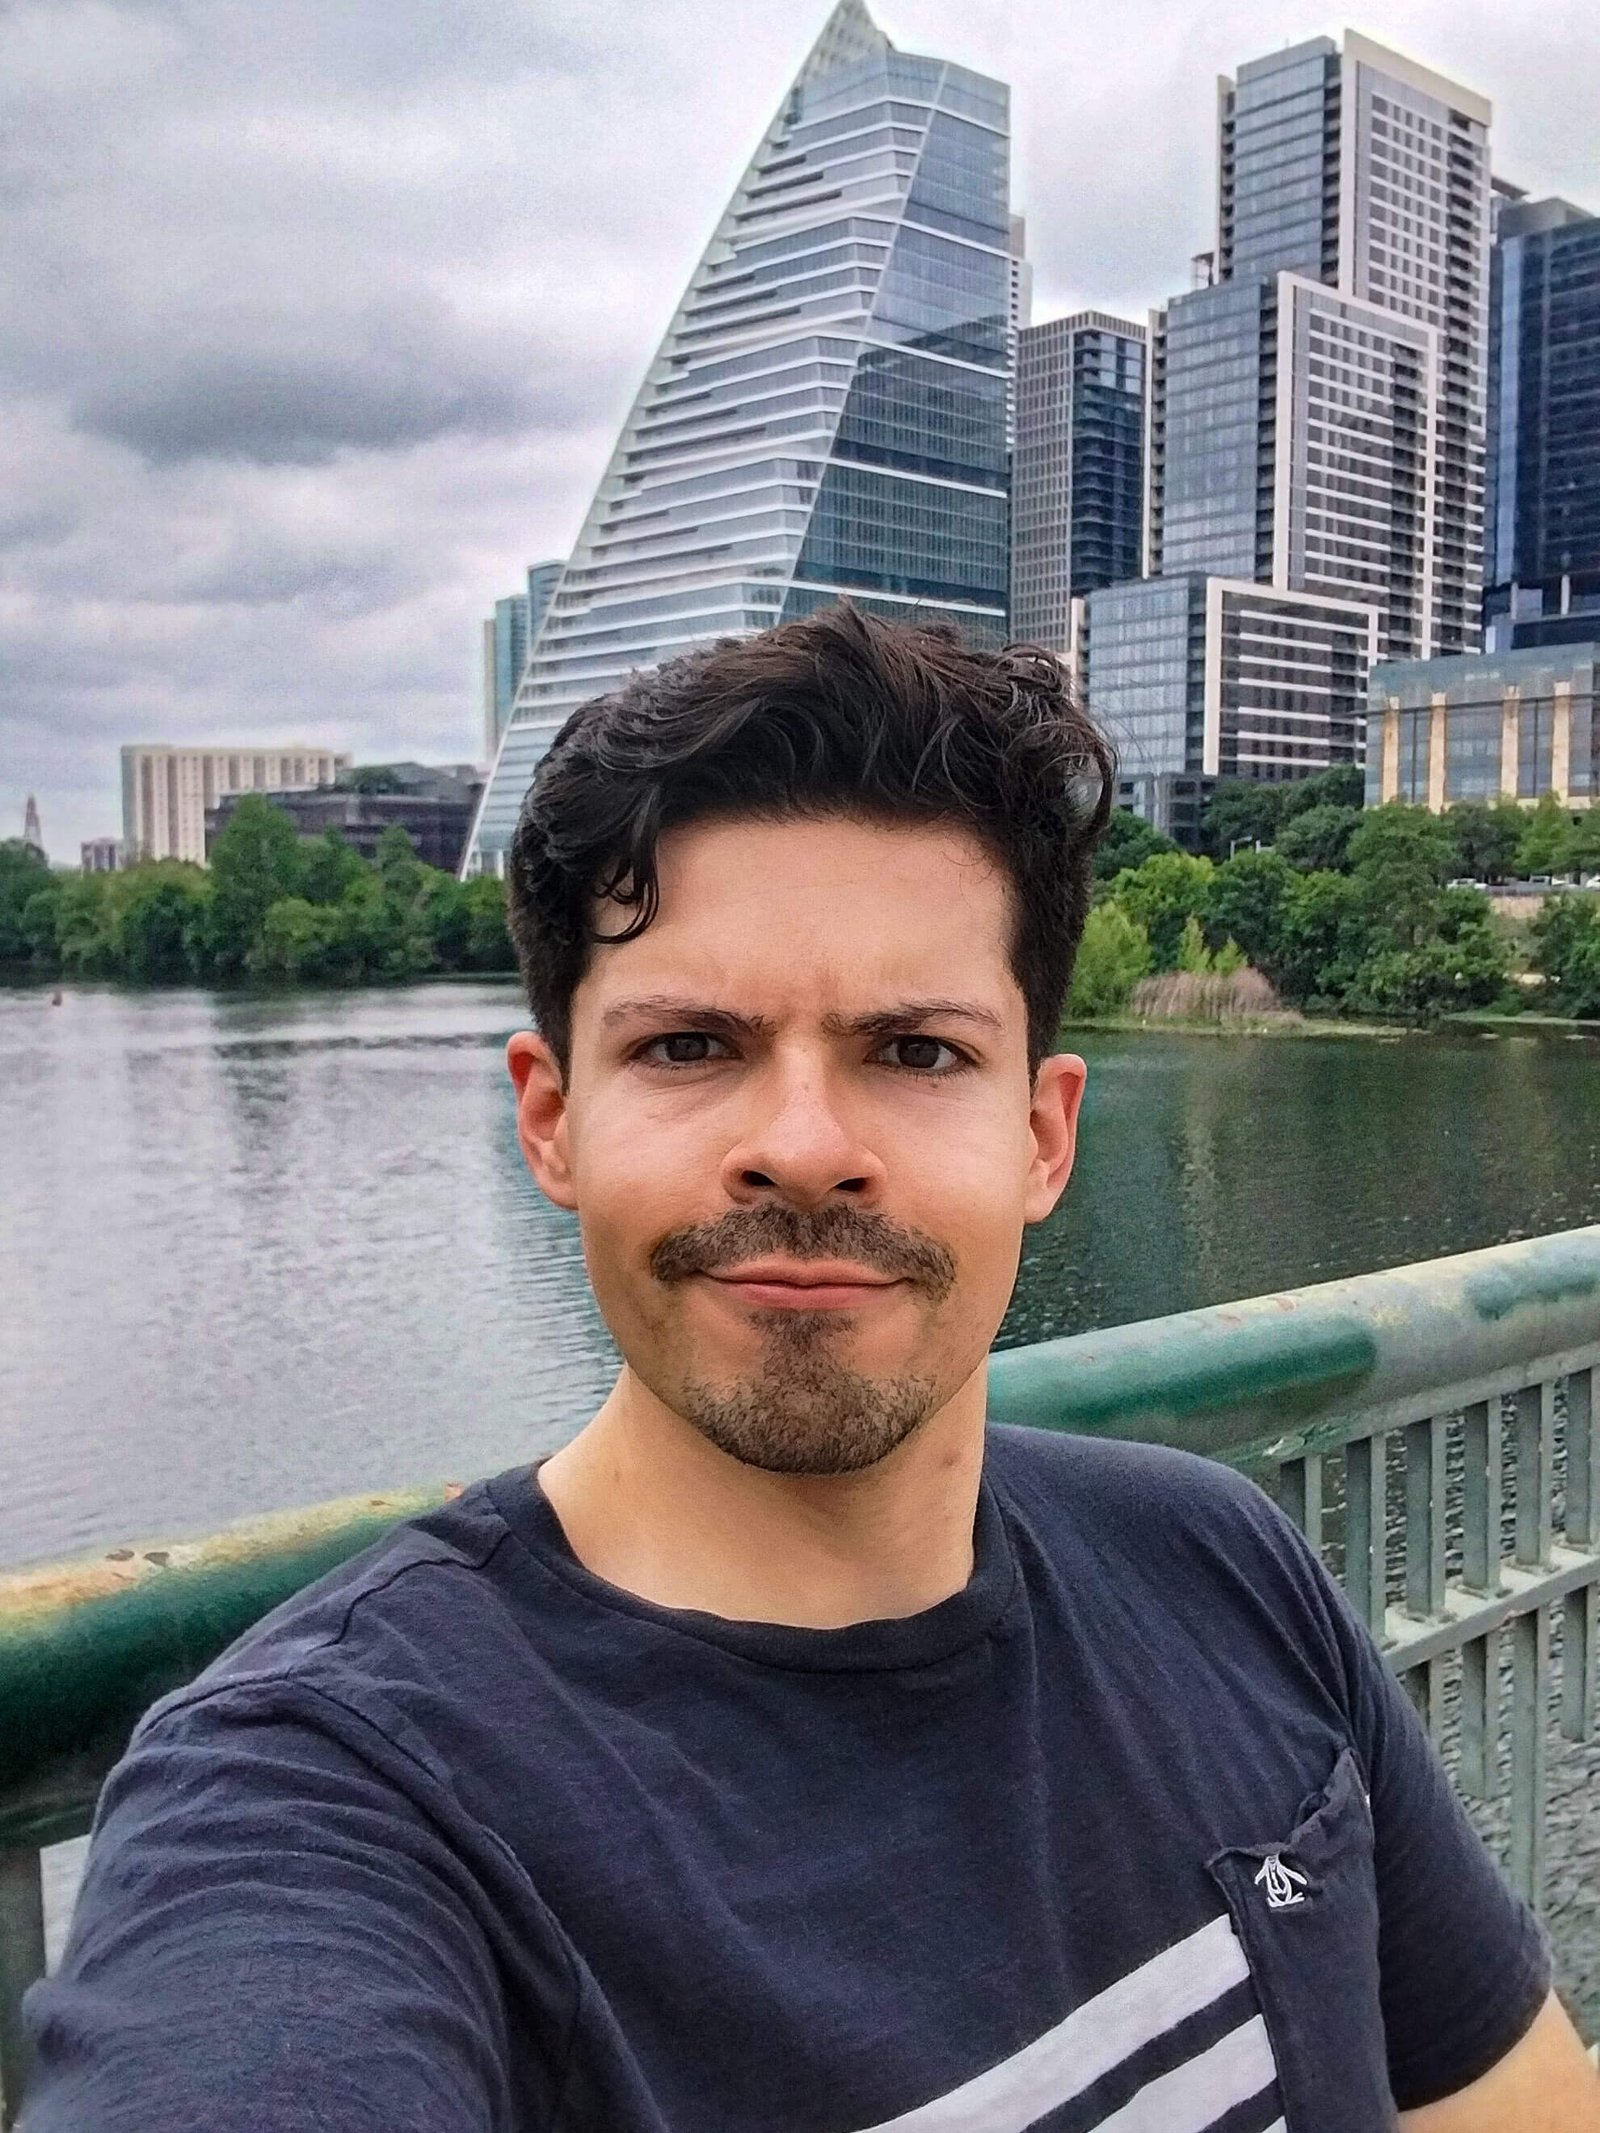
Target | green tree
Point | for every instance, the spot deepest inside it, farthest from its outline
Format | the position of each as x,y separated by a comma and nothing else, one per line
24,874
1345,785
298,942
1548,840
1399,858
1586,840
1317,840
1193,953
489,945
1566,952
1161,896
1240,811
1113,956
1128,842
257,861
157,921
327,868
83,926
1245,904
1318,939
1486,837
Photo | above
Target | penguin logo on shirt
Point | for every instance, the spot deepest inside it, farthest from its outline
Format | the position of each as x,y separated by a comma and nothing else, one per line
1284,1885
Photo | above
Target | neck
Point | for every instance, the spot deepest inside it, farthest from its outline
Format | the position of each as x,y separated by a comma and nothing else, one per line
648,1504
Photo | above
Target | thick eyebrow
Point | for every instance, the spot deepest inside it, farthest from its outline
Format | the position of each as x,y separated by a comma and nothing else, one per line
723,1021
685,1013
908,1014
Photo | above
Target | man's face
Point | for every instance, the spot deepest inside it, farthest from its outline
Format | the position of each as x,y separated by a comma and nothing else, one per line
799,1133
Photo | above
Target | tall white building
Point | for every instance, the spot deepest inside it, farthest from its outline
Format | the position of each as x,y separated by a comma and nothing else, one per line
166,791
828,411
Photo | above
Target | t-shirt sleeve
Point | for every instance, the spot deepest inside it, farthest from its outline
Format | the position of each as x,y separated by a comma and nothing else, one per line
1464,1965
270,1936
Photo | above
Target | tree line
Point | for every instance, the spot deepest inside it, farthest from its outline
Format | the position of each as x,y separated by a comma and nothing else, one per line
271,907
1348,910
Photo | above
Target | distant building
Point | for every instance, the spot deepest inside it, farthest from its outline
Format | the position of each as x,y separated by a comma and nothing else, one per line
1543,565
1170,802
1207,677
433,804
828,412
1507,725
1317,409
32,834
509,635
102,855
166,792
1077,472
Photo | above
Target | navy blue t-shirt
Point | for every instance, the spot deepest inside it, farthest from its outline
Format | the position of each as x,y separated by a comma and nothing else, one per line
1134,1833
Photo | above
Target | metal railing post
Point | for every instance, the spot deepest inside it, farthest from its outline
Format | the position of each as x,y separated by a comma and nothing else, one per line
21,1962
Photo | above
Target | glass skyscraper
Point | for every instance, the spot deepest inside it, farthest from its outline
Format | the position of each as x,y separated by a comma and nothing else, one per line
1077,474
508,637
1543,564
828,411
1317,414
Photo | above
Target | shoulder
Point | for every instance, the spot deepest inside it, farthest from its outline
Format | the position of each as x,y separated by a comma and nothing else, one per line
1179,1531
1054,1473
423,1605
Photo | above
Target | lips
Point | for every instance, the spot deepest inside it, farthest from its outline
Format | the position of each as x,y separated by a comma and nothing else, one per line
808,1286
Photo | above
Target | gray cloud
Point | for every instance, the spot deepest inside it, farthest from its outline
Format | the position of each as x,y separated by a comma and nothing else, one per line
325,316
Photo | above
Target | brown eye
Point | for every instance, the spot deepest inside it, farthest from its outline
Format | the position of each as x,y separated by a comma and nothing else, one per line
920,1055
684,1047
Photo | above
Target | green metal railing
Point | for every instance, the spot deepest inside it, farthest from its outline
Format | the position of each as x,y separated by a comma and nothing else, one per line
1432,1428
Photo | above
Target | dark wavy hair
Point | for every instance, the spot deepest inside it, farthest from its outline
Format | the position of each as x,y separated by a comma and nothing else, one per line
838,714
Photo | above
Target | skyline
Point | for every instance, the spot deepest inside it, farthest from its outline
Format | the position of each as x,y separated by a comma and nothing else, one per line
326,343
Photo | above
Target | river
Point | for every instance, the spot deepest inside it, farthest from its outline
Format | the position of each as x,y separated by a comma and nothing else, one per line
261,1251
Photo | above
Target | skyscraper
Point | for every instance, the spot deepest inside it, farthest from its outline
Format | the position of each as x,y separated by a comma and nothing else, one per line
827,413
1543,565
1316,410
1077,472
1317,414
508,637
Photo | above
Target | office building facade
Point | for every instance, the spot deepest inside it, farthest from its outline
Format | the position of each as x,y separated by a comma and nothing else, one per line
509,635
433,803
1317,411
1498,726
1543,565
101,855
1201,676
166,791
828,411
1077,470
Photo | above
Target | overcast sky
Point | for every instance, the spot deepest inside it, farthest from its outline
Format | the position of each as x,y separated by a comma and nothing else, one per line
319,316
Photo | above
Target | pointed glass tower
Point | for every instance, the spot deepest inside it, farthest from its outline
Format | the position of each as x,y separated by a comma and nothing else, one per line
827,412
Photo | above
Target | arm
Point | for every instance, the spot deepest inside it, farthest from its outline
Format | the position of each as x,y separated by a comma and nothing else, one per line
1545,2084
271,1937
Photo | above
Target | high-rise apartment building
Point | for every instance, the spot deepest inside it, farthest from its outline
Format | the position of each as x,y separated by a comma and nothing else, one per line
166,791
508,637
1077,470
1196,674
1543,564
828,411
1316,408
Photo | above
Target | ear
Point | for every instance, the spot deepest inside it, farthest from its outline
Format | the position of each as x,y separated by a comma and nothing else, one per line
542,1116
1053,1121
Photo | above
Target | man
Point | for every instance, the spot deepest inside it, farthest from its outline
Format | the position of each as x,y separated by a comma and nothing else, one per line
787,1754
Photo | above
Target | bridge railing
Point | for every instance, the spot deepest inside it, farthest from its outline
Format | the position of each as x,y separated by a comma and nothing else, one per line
1432,1429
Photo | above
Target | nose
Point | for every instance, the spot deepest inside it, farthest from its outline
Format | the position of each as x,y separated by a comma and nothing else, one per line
800,1144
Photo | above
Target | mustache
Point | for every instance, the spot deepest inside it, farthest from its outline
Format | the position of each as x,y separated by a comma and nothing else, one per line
829,1233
